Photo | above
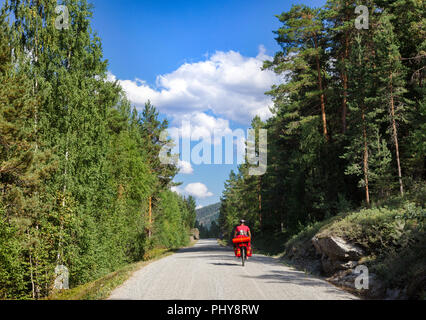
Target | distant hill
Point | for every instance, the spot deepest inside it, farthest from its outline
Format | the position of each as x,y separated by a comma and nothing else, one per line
206,215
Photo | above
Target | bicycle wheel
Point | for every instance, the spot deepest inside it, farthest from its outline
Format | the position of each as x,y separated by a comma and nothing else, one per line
243,255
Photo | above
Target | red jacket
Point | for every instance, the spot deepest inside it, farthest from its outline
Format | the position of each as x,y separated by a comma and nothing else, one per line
242,228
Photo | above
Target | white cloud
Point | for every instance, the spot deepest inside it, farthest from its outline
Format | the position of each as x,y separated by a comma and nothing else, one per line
226,83
185,167
211,131
111,77
198,190
199,207
176,189
202,127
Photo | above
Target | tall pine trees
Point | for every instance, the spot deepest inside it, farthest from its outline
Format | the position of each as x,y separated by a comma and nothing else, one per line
348,121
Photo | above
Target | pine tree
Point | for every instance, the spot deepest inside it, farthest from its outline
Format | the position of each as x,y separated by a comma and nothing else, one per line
339,15
23,172
191,209
151,129
302,40
391,75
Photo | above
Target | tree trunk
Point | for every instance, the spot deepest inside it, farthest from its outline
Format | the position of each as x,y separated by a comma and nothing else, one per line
324,118
365,160
395,137
345,78
345,101
31,268
31,276
260,200
150,217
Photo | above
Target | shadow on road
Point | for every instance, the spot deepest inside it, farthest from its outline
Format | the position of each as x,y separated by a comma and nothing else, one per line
299,278
226,264
203,248
211,250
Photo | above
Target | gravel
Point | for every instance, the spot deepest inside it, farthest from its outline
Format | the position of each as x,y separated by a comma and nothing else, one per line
208,271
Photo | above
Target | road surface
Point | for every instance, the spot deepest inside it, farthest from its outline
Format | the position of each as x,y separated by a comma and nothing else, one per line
208,271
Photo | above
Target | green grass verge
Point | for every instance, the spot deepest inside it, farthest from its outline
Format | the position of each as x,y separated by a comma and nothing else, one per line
101,289
222,242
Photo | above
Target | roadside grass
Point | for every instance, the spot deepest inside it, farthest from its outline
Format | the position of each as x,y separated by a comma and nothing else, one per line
394,241
101,289
223,242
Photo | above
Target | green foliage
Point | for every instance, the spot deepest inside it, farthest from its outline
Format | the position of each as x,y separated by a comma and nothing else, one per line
101,289
379,229
170,228
190,208
209,232
77,165
392,237
347,122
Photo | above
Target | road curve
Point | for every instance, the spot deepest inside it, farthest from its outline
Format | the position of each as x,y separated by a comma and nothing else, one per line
208,271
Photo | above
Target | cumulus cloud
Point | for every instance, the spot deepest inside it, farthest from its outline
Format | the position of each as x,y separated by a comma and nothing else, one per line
227,84
200,126
198,190
177,189
185,167
210,131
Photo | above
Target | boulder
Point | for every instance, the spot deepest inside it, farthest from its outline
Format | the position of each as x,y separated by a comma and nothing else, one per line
195,234
337,249
336,253
330,266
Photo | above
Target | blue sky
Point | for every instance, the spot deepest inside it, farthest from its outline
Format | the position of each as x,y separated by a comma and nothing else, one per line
197,61
148,38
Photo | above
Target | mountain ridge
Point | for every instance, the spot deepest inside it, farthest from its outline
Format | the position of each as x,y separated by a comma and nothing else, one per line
208,214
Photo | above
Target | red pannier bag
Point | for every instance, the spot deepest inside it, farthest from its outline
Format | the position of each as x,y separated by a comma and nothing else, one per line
240,240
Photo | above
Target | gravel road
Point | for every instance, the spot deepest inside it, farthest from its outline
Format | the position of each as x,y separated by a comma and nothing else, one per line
208,271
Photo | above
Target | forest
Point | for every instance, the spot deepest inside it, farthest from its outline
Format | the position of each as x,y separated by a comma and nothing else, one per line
348,129
81,183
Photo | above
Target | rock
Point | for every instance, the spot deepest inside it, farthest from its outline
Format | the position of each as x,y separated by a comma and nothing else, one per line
330,266
346,279
337,249
336,253
62,276
349,265
195,233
